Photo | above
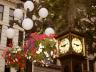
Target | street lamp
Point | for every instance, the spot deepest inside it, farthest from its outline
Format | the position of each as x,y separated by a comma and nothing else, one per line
28,22
29,19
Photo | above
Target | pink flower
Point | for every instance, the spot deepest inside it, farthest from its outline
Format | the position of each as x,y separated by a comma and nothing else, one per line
52,35
34,34
5,51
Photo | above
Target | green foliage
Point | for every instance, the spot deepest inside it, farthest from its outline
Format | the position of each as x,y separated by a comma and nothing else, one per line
58,11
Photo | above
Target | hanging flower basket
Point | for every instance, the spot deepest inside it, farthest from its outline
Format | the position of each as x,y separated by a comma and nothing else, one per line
38,48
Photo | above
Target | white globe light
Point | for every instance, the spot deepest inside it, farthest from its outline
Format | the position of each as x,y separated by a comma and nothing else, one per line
18,13
49,31
27,24
43,12
28,5
10,33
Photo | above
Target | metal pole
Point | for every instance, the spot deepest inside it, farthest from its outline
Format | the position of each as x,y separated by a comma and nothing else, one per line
95,66
71,66
13,69
23,37
82,66
32,66
88,69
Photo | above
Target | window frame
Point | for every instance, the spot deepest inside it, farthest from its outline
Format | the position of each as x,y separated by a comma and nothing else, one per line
10,16
20,38
0,32
2,11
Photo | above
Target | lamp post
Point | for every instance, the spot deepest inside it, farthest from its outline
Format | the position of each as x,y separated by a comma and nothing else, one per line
28,22
90,57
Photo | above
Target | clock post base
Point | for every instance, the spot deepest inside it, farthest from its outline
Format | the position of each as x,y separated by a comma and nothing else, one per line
73,63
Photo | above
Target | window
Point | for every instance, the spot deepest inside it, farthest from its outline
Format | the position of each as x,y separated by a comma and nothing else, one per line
7,68
9,42
0,31
1,12
20,42
11,16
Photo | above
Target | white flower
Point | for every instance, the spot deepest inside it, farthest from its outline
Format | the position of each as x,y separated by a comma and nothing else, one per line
43,61
49,59
41,46
14,51
45,52
40,49
38,52
51,53
34,61
47,65
19,49
29,57
47,55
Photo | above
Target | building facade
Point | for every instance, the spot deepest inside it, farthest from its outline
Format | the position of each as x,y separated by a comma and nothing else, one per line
6,14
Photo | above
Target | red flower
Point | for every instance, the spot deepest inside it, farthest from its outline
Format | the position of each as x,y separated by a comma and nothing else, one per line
6,50
52,35
10,45
34,34
19,58
34,51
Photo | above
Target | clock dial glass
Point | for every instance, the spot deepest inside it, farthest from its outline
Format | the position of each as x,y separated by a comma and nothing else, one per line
77,45
64,45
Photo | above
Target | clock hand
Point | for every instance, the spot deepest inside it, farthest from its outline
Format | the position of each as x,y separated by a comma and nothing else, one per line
64,45
76,44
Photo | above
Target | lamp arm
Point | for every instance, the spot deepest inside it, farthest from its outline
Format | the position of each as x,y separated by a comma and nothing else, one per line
12,22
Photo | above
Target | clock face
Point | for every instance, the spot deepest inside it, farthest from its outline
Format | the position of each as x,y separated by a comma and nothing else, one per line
77,45
64,45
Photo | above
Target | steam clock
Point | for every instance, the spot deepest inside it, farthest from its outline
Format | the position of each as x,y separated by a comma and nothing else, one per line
72,53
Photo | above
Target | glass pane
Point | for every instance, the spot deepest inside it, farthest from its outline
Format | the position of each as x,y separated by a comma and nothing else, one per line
1,16
20,38
9,42
11,18
1,8
11,12
0,31
7,68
